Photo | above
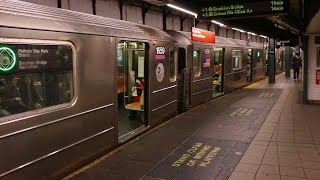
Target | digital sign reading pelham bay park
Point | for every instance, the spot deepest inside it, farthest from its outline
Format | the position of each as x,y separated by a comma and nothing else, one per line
225,9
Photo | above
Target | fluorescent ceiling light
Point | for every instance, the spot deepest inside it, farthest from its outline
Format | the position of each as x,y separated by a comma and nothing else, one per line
238,30
264,36
183,10
280,27
220,24
251,33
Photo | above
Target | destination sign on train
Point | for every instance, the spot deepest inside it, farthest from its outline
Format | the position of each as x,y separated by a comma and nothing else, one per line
243,9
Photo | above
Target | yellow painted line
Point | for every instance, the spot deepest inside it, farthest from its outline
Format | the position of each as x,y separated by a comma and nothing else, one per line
243,111
249,112
261,95
271,95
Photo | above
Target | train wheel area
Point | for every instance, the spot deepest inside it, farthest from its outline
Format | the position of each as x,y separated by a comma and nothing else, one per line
240,135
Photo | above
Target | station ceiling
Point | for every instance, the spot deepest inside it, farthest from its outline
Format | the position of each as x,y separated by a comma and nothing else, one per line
285,27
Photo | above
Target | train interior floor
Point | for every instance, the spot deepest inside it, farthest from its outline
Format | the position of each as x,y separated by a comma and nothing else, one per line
262,131
129,120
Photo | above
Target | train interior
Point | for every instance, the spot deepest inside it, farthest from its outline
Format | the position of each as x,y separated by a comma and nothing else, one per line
130,86
217,78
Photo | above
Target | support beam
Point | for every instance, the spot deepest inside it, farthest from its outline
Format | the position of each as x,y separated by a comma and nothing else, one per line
209,25
182,19
287,61
59,3
121,2
196,22
165,14
216,30
145,9
94,11
305,48
272,61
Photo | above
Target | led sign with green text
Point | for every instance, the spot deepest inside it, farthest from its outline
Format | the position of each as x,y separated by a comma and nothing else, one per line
234,9
8,59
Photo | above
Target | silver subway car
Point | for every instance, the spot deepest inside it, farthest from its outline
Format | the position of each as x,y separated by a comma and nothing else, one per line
211,69
73,86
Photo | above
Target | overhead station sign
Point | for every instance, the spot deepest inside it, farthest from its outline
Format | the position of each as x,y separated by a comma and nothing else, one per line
235,9
201,35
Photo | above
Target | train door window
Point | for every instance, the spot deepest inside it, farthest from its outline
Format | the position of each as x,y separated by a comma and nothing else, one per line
259,55
42,78
237,59
173,65
217,71
249,65
130,85
196,63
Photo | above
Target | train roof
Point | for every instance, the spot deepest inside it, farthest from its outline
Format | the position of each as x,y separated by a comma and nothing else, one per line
19,14
185,38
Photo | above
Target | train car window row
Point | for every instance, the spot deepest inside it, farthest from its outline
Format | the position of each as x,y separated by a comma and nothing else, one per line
237,59
34,77
196,63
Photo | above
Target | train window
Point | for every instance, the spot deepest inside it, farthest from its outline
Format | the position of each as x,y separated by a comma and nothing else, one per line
196,63
34,77
236,59
173,65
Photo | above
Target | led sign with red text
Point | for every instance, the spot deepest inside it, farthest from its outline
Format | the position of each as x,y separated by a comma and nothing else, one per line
201,35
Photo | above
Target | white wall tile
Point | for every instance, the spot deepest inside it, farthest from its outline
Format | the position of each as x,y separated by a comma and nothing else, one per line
313,88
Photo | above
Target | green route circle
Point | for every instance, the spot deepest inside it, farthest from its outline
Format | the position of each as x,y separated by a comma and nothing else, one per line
7,59
258,54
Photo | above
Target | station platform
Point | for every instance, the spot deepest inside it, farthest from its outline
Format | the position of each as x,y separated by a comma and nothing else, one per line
262,131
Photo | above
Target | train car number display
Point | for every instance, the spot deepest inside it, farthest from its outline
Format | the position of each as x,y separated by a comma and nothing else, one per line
160,53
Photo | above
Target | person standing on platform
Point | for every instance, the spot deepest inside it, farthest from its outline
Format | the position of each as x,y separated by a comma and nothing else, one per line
296,64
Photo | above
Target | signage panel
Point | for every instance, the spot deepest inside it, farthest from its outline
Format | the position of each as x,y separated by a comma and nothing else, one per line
201,35
233,9
25,57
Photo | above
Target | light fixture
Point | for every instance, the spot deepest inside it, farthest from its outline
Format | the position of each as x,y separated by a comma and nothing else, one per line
264,36
220,24
238,30
183,10
251,33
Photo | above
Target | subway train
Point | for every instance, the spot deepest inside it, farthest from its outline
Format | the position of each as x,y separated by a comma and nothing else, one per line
74,86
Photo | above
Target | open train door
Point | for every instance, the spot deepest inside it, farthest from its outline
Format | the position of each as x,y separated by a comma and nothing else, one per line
218,72
131,60
184,78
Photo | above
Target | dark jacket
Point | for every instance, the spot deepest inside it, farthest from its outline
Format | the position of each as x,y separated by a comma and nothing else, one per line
296,62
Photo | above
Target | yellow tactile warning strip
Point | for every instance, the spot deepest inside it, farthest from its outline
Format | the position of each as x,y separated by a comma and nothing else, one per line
242,112
288,143
266,95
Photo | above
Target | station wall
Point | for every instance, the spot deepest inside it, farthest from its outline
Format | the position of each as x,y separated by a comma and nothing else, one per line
84,6
313,54
173,23
108,8
154,19
44,2
133,13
